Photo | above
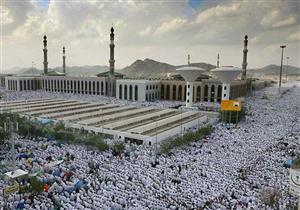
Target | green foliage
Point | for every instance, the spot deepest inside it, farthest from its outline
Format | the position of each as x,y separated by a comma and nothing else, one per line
3,136
187,138
35,186
119,147
296,164
59,132
97,142
232,116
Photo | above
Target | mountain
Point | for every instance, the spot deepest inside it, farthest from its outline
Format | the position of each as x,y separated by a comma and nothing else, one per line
28,71
145,67
83,70
149,68
275,70
71,70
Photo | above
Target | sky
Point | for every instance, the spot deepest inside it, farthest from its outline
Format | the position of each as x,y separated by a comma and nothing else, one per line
163,30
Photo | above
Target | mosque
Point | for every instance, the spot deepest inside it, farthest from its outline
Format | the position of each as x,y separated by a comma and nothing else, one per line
113,84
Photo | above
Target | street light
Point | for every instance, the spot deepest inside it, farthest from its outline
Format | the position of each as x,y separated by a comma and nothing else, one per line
287,66
282,48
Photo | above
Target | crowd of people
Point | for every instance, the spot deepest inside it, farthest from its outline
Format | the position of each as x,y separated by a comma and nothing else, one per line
236,167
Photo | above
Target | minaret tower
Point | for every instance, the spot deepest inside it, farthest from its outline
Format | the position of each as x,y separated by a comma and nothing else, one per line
64,60
45,56
112,52
244,64
218,61
111,85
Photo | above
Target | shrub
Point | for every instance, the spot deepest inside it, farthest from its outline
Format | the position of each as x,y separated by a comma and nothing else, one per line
187,138
96,141
119,147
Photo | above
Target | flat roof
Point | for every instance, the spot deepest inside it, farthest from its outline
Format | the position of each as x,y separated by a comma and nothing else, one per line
73,112
46,108
100,118
79,106
163,122
42,110
39,104
110,107
137,119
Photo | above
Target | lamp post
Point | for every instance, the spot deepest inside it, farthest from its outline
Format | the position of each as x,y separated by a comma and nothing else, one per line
287,66
282,48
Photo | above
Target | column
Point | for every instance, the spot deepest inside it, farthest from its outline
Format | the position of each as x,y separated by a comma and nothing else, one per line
225,91
189,94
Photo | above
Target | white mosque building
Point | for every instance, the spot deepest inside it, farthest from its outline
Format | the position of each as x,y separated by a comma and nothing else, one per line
112,83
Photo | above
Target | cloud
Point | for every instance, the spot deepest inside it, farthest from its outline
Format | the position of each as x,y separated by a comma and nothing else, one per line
147,29
171,25
291,20
145,32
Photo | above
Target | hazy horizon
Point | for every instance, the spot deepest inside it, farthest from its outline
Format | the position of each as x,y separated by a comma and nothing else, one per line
162,31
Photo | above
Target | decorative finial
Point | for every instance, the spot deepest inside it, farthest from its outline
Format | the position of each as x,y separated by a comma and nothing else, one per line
112,28
45,41
64,50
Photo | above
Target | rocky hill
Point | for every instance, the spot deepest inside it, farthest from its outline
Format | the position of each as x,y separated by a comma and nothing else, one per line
275,70
149,68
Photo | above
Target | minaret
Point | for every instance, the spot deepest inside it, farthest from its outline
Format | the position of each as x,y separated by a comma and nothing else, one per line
189,59
218,61
45,56
64,60
112,52
111,64
244,64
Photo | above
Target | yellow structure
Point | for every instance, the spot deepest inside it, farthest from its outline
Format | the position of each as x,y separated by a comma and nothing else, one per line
231,105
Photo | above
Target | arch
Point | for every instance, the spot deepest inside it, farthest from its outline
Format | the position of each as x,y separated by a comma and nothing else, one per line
102,88
198,93
71,89
94,87
174,92
184,94
31,85
146,96
153,97
162,91
179,92
21,85
86,87
90,87
205,92
106,88
68,86
98,88
212,93
136,91
168,92
82,85
130,92
120,91
219,93
125,92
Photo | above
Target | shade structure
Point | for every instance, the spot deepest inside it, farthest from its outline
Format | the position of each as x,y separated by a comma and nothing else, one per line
226,74
190,74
